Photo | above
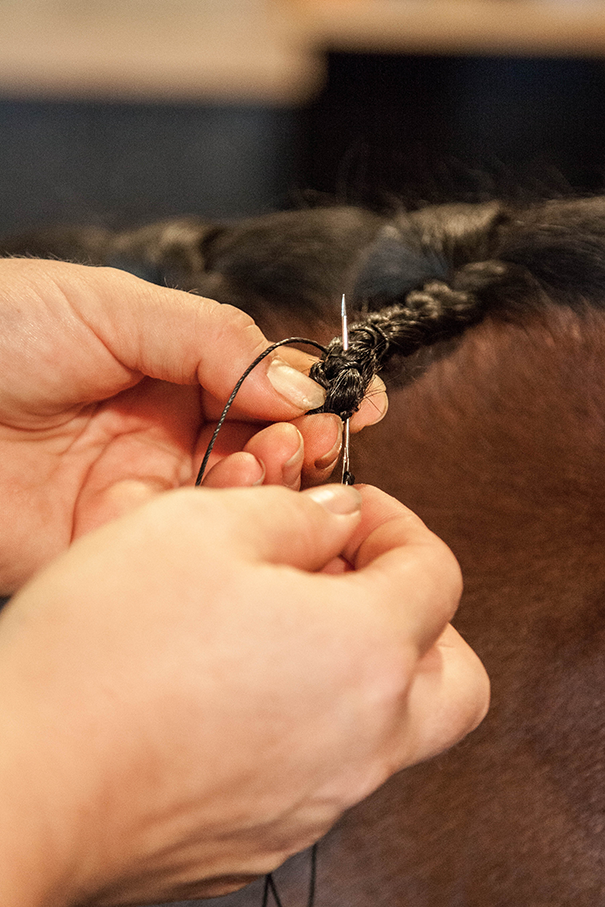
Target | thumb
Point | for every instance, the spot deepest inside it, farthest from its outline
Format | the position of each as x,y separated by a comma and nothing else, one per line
267,524
272,524
194,528
185,339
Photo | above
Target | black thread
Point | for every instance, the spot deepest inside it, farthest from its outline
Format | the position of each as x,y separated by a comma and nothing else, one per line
219,425
312,876
270,886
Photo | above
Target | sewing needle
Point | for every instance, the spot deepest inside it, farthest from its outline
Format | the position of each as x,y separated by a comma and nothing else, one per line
346,475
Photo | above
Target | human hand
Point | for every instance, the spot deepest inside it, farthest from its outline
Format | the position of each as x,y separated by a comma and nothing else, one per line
197,690
101,408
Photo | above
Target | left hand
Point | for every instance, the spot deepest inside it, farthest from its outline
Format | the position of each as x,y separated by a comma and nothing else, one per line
109,391
199,689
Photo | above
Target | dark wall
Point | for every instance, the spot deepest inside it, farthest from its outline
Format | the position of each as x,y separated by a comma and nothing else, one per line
430,128
115,163
421,128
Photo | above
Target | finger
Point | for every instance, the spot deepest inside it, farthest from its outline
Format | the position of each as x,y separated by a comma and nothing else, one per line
116,327
281,449
373,407
238,470
322,435
393,550
186,338
276,525
268,524
447,699
306,449
232,438
278,449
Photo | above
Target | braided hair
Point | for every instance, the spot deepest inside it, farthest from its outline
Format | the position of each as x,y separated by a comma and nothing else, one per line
487,260
412,280
437,311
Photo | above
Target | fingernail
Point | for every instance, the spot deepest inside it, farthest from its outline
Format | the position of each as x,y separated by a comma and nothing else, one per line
292,467
330,458
297,388
262,473
339,499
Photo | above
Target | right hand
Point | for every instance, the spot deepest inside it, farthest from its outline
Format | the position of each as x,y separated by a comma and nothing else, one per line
199,689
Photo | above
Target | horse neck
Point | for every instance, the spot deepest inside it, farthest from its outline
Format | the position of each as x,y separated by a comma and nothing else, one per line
500,447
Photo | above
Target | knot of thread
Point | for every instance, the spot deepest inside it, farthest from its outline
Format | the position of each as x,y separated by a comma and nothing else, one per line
345,375
436,311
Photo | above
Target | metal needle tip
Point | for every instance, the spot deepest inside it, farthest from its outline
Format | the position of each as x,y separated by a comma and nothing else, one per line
344,322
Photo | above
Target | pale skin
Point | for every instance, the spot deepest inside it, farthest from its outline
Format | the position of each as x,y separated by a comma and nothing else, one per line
200,686
109,394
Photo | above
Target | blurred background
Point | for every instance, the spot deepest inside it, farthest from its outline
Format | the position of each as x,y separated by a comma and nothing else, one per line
115,112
